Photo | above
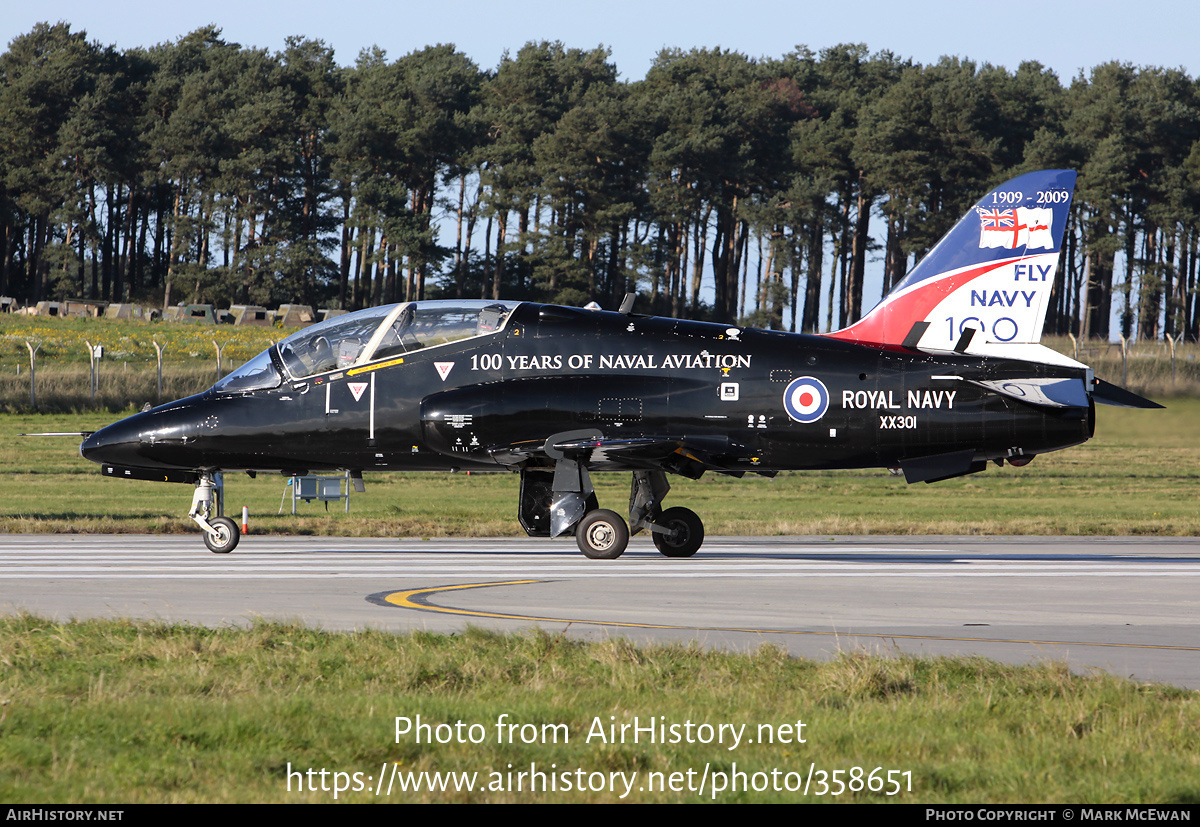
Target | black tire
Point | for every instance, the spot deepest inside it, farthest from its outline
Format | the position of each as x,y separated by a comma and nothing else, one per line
687,532
602,535
227,536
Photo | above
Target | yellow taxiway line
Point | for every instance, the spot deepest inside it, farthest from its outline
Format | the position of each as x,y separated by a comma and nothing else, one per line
419,599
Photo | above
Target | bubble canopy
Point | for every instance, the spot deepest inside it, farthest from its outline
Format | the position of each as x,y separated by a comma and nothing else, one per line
367,336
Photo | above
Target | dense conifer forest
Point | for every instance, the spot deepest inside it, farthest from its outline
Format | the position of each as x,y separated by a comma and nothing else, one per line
719,186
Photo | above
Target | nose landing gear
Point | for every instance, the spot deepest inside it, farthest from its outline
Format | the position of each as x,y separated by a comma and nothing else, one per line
221,534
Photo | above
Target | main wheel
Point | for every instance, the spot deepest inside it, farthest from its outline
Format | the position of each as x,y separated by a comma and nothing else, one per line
602,535
227,536
687,532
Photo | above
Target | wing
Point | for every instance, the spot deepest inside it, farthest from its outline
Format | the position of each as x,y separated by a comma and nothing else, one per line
688,456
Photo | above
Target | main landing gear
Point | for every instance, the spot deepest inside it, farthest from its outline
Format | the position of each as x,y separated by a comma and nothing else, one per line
221,534
684,532
564,502
602,535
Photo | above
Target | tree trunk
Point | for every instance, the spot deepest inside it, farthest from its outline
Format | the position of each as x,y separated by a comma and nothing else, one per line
498,273
854,288
347,251
700,243
812,286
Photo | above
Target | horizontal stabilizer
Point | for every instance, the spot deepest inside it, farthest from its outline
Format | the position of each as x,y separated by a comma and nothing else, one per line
1107,393
1050,392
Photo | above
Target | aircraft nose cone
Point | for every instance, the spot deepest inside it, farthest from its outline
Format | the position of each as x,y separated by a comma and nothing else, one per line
169,436
116,444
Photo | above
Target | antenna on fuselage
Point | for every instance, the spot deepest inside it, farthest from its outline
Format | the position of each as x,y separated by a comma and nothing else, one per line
627,304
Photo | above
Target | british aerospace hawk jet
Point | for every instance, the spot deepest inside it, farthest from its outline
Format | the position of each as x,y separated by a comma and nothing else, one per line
942,377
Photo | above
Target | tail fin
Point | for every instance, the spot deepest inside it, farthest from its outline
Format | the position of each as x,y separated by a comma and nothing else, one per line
991,274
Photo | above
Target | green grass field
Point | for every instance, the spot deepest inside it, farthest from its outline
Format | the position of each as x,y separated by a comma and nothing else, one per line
114,712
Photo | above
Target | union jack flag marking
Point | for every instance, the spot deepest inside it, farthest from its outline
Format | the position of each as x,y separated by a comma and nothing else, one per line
1019,227
994,219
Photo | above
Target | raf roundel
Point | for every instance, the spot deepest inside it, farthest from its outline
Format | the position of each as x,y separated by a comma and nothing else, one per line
806,399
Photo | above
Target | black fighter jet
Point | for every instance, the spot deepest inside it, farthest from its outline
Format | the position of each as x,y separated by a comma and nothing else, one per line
943,376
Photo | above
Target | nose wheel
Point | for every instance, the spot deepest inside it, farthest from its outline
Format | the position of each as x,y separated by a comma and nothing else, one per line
224,536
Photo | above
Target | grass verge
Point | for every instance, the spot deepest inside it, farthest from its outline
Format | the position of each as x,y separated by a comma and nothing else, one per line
124,712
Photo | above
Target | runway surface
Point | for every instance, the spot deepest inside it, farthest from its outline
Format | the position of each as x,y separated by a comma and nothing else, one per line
1130,606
